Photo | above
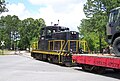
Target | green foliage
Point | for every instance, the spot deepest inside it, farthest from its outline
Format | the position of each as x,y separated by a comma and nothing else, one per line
93,7
28,29
8,23
3,6
94,27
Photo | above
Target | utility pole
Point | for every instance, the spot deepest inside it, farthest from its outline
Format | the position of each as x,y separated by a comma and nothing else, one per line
100,43
15,37
2,44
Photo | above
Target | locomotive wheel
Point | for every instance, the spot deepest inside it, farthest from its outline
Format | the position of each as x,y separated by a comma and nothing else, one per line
68,64
116,70
49,59
99,70
40,57
116,46
36,56
87,67
94,69
84,67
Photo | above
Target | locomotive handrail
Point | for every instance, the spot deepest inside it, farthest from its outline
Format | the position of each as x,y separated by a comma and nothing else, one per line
34,45
67,44
61,41
63,45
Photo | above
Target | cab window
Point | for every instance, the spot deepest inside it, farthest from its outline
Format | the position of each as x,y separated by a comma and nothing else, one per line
42,32
113,16
49,32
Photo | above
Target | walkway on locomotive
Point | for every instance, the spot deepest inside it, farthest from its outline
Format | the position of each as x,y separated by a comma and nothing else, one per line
64,46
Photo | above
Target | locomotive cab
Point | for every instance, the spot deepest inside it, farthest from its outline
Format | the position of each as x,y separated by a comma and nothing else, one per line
55,33
46,34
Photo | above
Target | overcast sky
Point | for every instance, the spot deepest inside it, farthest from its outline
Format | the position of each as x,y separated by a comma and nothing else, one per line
69,12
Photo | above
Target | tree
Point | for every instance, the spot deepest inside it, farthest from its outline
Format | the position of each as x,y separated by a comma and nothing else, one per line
110,4
3,6
9,24
94,26
29,31
93,7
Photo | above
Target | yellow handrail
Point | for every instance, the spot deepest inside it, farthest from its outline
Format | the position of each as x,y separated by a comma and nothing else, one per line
34,45
67,44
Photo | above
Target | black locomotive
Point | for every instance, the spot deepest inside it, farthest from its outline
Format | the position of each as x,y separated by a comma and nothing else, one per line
56,33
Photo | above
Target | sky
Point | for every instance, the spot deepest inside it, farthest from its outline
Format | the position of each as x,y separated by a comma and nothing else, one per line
68,12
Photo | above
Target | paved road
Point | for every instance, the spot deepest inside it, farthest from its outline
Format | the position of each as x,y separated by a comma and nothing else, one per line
22,68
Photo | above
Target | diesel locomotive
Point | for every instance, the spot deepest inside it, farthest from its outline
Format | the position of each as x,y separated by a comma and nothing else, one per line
57,44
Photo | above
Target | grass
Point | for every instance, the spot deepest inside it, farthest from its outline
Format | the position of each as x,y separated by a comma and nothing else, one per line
4,52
